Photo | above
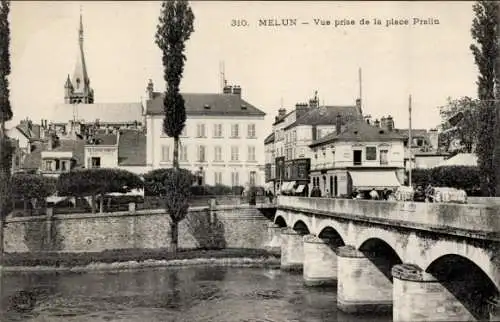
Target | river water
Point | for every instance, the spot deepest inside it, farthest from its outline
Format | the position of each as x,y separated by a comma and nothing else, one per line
190,294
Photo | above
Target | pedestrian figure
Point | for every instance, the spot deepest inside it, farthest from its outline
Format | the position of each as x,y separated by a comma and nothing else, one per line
374,194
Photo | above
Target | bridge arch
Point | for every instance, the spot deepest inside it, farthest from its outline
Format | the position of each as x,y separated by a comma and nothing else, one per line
332,236
389,238
336,226
381,254
466,281
280,221
301,227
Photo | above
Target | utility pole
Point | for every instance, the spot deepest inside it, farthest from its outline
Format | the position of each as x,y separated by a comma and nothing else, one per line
409,142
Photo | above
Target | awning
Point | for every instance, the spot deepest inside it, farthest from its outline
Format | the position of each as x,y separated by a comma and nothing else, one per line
300,188
367,180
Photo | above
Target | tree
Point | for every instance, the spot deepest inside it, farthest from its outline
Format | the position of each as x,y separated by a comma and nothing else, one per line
177,192
485,49
466,111
6,147
174,29
97,182
31,186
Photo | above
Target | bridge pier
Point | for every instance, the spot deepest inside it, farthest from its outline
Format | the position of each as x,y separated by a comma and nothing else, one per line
418,296
292,250
320,261
273,238
361,286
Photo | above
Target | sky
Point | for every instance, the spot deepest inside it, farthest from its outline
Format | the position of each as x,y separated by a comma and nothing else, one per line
274,65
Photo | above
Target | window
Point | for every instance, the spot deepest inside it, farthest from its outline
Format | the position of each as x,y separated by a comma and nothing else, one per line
57,165
200,130
235,131
217,130
218,177
252,178
48,165
165,153
183,153
251,153
251,131
63,165
201,153
357,156
383,157
235,179
234,153
96,162
371,153
218,153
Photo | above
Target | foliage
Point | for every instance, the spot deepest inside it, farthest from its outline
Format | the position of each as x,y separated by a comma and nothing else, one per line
93,182
174,29
5,107
27,186
460,177
466,130
485,49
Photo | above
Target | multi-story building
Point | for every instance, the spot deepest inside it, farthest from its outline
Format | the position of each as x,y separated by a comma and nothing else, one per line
357,155
221,141
293,133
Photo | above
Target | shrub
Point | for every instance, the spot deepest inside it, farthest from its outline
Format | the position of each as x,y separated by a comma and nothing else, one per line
460,177
25,186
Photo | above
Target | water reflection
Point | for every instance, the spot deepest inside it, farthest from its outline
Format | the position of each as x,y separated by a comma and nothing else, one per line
173,294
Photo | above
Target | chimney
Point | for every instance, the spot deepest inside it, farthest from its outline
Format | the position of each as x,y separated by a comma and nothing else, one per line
150,89
434,138
377,123
281,112
358,106
52,141
228,89
237,90
300,109
383,122
313,103
338,124
390,123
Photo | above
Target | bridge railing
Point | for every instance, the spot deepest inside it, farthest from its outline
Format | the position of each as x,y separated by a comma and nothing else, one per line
477,218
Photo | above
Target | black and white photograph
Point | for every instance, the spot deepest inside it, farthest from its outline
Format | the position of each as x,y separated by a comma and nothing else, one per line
249,161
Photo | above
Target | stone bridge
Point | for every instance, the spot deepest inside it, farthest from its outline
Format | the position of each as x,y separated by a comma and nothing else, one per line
423,261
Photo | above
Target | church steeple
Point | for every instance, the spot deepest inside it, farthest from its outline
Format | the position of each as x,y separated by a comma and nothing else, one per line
80,91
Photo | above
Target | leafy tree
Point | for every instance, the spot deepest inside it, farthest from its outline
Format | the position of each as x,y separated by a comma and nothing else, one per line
174,29
177,192
467,127
5,115
31,186
97,182
485,49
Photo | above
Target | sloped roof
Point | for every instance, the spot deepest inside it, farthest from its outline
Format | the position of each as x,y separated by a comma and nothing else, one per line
77,146
30,131
325,115
132,148
414,133
105,139
269,138
465,159
207,104
105,112
359,131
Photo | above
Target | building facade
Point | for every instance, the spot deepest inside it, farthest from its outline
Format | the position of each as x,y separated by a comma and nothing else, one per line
358,156
221,142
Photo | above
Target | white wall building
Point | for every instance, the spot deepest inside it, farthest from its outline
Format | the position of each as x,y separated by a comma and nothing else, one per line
221,141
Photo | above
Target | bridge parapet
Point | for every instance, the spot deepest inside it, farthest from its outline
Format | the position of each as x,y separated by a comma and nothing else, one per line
478,220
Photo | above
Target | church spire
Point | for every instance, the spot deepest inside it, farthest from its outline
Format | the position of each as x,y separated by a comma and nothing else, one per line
81,91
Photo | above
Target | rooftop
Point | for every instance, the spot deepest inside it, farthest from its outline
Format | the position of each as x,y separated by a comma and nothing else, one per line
325,115
207,104
269,138
105,112
132,148
34,159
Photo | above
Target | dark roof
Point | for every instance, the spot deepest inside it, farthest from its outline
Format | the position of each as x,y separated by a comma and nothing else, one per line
132,148
269,138
414,133
105,139
359,131
207,104
29,130
325,115
34,159
280,119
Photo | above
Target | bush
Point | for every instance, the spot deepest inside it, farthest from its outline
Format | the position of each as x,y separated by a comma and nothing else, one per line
460,177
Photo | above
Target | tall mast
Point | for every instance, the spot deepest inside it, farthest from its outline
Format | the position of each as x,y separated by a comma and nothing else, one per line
409,141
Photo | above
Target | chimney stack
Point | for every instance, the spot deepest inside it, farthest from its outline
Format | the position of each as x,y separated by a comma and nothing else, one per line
281,112
390,123
338,124
300,109
150,89
237,90
313,103
377,123
228,89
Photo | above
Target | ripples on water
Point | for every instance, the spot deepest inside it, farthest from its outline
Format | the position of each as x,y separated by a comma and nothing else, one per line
191,294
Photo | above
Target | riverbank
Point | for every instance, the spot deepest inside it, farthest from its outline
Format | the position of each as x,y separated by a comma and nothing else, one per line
137,258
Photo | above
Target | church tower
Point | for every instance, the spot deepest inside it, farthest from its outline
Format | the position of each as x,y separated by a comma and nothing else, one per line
77,89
